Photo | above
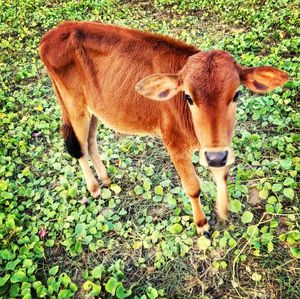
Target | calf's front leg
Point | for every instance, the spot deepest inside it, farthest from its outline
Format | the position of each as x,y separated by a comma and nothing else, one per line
190,182
220,176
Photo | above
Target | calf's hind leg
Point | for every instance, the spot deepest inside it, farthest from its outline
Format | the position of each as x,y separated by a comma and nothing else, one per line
76,134
75,131
94,153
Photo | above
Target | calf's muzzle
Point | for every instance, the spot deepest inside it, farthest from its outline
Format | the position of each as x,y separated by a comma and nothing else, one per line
216,159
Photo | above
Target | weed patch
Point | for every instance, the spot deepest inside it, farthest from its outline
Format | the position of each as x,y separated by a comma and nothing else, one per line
137,240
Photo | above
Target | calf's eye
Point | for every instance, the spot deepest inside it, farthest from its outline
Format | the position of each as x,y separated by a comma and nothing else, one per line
236,96
188,98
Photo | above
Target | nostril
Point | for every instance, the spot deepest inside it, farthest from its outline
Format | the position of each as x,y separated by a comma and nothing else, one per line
224,156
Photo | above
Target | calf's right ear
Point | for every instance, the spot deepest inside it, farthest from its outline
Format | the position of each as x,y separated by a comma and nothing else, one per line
159,87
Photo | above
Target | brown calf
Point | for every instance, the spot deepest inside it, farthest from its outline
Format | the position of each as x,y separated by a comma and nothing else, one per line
109,73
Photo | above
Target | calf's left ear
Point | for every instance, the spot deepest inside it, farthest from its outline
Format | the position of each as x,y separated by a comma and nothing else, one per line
159,87
262,79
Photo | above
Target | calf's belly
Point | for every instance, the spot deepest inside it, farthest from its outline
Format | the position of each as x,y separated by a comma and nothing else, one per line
125,123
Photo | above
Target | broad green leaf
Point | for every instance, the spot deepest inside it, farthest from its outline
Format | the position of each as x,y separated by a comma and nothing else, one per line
288,181
111,285
14,290
63,294
19,276
97,272
149,171
49,243
216,265
215,234
72,192
203,243
93,230
138,190
54,270
119,275
295,252
235,206
247,217
152,293
117,189
263,194
53,285
137,245
272,200
282,237
10,222
7,195
64,279
147,195
171,200
92,288
80,229
12,264
146,186
105,193
88,239
286,164
232,242
223,241
121,292
270,246
159,190
38,283
252,230
4,279
42,292
92,247
3,185
176,228
223,264
289,193
276,187
27,263
73,287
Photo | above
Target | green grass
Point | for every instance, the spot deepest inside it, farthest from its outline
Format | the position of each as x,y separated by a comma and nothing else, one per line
138,239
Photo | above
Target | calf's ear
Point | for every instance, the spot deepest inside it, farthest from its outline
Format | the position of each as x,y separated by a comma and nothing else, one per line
159,87
262,79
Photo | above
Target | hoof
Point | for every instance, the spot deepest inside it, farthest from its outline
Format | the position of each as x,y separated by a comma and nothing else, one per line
212,221
223,215
106,181
208,234
95,191
202,229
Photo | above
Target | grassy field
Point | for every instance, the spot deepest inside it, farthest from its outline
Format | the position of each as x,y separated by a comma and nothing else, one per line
138,240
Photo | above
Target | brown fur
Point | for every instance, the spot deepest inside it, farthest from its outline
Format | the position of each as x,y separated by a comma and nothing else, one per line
95,68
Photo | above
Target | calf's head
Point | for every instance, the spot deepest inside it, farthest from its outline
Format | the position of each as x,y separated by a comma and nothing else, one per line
210,82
